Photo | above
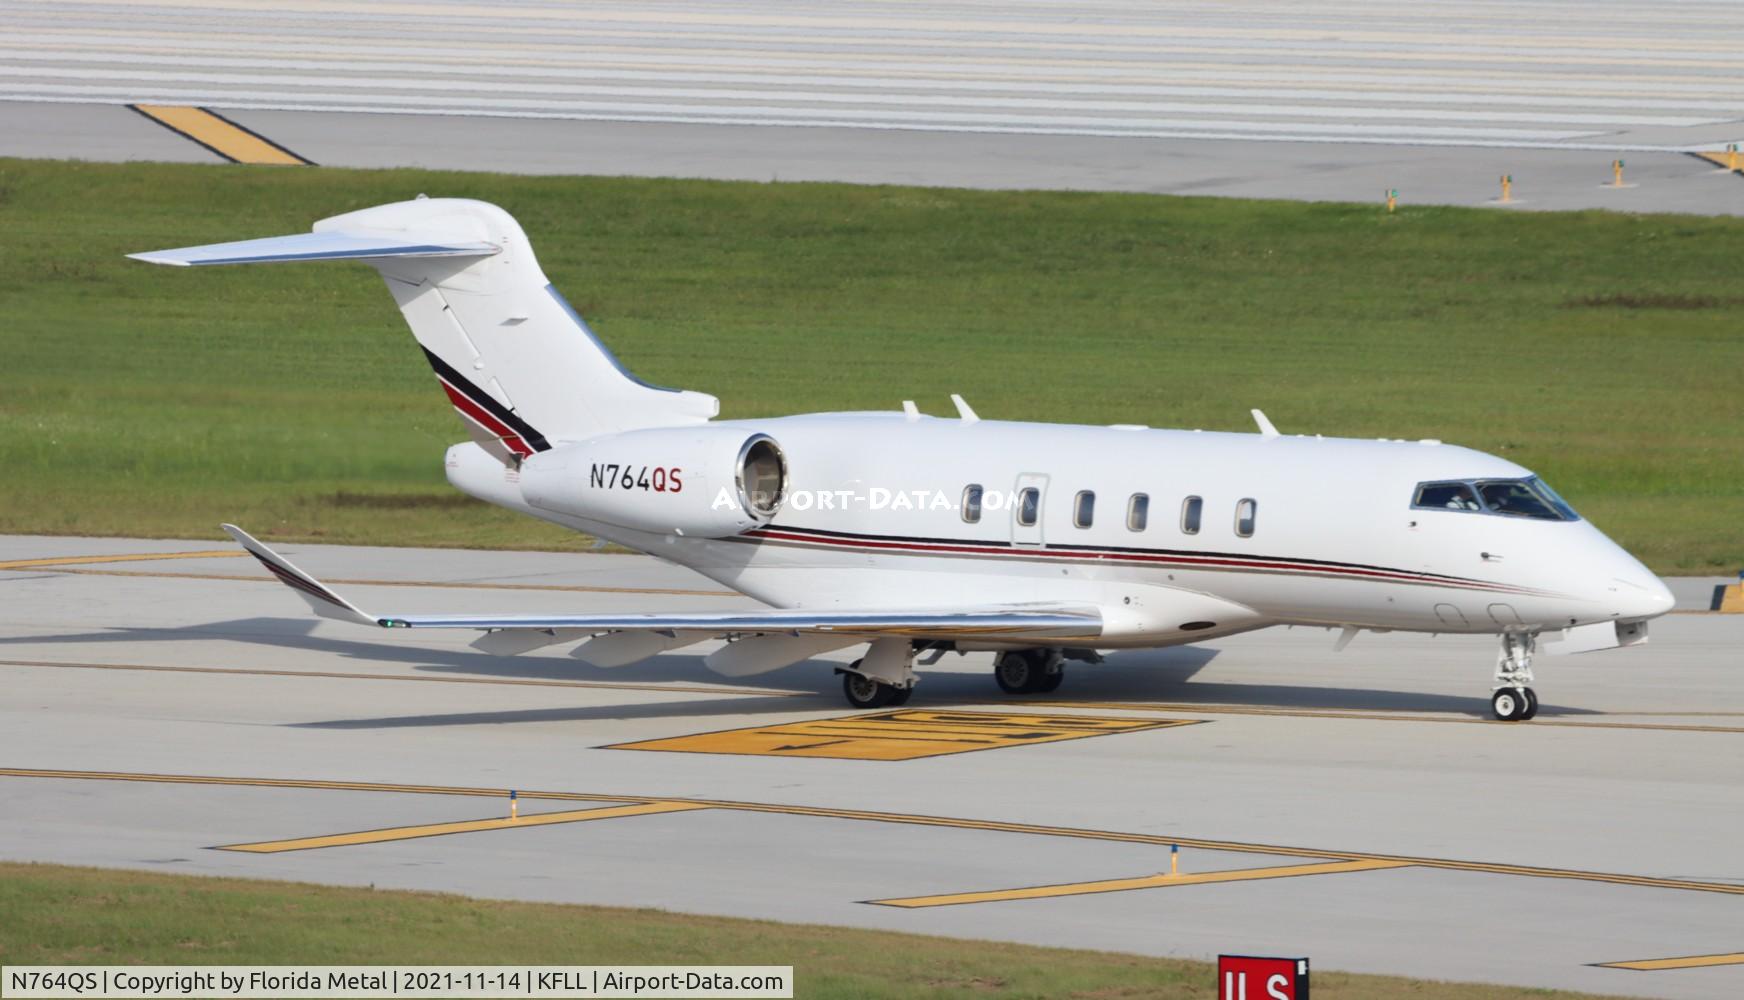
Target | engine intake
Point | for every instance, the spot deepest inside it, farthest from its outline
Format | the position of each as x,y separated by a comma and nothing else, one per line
703,482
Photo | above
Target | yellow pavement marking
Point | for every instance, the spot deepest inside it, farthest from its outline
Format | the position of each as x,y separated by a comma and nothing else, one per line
1303,713
901,735
1724,160
467,826
452,584
1142,882
1730,599
136,557
219,134
421,679
1691,962
910,819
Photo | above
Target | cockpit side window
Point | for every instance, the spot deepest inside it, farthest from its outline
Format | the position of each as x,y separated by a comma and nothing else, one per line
1447,496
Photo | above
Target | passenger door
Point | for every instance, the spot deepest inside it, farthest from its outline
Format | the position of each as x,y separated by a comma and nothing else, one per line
1021,533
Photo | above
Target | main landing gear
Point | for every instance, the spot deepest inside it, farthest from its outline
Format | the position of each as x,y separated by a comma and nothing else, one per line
884,677
1512,699
1029,671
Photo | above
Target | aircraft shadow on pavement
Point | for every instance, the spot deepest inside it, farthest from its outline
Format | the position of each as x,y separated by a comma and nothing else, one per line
1153,675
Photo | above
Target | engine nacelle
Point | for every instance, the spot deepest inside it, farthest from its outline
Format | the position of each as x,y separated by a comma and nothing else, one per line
703,482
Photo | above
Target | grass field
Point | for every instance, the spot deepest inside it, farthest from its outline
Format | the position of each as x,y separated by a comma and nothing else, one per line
87,916
1604,351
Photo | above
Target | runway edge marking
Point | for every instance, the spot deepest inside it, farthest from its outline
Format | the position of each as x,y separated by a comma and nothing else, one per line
997,826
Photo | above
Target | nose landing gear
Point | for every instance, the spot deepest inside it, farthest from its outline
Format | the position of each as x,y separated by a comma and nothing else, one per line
1512,699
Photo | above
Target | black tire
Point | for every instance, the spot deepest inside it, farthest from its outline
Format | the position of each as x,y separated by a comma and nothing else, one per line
1531,709
1052,682
899,696
1015,672
864,692
1507,704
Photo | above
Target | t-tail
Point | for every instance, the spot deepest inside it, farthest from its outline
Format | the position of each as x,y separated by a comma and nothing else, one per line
520,366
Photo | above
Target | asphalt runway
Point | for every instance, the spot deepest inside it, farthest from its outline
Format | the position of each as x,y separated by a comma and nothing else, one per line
1313,100
169,707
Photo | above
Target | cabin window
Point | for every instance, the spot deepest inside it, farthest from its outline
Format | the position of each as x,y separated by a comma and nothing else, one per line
1244,517
1447,496
972,503
1029,503
1138,511
1190,511
1084,509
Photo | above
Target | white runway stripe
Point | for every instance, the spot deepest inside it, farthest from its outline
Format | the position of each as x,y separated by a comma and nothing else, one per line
803,86
966,103
1534,72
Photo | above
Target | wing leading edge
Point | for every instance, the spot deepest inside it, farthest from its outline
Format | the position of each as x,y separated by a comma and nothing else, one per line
1014,622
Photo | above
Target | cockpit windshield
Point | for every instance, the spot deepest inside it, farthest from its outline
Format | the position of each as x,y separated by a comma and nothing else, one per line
1508,497
1452,496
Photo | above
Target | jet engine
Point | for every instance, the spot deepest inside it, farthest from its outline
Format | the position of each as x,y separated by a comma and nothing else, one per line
703,482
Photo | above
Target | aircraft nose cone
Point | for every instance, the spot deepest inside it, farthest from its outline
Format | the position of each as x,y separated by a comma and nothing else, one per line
1642,598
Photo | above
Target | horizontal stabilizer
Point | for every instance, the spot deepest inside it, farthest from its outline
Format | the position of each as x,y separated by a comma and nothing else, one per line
330,245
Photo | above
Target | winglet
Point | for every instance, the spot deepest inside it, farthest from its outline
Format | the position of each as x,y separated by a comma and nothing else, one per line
1266,428
325,602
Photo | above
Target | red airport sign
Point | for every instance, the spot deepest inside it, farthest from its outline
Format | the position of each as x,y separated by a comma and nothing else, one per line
1246,977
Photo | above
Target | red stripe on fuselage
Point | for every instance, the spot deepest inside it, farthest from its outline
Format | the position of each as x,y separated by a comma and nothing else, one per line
1212,562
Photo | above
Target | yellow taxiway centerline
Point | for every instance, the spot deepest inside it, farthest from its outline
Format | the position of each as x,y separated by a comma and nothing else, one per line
220,135
746,692
451,584
1142,882
1304,713
136,557
466,826
1689,962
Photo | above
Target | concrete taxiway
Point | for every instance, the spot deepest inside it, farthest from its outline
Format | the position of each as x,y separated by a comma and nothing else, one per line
1314,100
167,706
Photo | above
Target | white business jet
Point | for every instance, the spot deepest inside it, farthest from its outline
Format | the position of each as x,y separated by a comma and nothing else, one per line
912,534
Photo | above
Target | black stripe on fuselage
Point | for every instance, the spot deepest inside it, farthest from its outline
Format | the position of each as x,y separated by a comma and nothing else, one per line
486,402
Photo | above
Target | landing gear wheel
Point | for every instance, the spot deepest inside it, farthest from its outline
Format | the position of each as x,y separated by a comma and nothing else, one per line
865,692
899,696
1016,672
1531,704
1051,682
1508,704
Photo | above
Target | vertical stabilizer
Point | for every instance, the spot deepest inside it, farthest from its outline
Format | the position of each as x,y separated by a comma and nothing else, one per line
519,365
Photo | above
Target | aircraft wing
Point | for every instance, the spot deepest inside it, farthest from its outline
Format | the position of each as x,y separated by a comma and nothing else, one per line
1013,622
